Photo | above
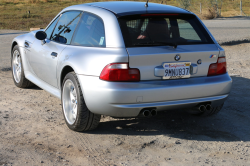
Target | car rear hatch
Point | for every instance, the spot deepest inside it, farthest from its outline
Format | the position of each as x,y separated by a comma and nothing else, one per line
168,46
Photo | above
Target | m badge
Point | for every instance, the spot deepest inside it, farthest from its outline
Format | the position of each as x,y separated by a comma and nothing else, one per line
212,56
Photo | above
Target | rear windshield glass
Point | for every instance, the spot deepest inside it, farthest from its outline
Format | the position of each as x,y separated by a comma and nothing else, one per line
163,29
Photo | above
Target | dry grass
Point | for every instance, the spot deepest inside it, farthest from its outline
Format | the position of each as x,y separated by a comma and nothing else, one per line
13,13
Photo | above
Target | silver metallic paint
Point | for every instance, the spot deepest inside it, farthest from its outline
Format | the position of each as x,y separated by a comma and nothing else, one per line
108,94
127,99
147,58
168,105
42,63
44,85
90,60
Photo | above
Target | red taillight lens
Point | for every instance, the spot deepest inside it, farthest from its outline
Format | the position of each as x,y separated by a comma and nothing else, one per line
120,72
218,68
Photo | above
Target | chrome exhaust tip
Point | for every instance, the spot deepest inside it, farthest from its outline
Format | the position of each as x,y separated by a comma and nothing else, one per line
153,112
146,113
202,108
208,107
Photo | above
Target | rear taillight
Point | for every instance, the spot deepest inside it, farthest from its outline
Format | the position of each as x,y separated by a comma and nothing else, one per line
120,72
218,68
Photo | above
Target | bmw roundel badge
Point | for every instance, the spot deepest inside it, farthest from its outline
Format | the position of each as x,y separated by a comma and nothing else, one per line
177,57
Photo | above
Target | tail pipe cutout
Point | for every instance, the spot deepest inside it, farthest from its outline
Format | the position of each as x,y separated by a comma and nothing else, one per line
148,112
204,107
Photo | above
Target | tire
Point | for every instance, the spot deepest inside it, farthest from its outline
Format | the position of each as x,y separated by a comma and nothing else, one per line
17,69
212,111
76,114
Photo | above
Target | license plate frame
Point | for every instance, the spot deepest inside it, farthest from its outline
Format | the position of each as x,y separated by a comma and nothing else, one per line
176,70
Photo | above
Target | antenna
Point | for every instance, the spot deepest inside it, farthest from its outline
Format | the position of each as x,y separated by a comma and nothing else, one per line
146,5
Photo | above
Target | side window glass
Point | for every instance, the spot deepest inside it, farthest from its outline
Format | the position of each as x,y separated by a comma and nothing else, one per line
144,25
187,31
65,27
90,31
50,29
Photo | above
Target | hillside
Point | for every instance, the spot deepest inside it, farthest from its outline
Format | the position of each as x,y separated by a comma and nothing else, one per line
14,14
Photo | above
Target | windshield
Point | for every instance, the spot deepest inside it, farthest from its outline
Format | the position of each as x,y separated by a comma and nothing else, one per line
163,29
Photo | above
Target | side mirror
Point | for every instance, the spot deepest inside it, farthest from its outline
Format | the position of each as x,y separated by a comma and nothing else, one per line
41,35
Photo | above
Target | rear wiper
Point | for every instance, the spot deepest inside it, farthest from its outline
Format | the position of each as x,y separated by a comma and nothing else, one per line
168,43
156,43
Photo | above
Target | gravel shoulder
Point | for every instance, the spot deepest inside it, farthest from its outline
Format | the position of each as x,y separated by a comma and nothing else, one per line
33,131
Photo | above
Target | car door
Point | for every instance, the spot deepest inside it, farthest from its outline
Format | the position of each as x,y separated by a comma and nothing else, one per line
44,56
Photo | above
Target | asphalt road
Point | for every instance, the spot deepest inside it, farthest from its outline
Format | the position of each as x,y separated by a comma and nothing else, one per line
6,37
230,30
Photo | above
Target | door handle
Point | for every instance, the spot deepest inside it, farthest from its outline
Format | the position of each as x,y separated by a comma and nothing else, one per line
26,44
54,54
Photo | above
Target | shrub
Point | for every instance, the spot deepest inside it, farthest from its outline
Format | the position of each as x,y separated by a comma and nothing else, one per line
212,13
184,3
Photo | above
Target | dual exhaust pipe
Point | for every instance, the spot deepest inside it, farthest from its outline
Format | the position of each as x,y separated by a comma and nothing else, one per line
203,108
148,112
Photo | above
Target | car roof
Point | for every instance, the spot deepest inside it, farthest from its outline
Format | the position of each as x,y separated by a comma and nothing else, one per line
122,8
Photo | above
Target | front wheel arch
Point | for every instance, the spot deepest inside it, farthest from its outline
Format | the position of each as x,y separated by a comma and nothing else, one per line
23,82
13,45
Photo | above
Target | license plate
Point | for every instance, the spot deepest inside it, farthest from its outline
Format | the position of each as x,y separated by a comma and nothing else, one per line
176,70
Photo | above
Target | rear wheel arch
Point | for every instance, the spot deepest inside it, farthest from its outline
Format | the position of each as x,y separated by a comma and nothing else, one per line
65,71
77,117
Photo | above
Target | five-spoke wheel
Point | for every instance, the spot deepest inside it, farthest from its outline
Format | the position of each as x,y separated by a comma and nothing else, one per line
69,101
76,114
17,66
17,69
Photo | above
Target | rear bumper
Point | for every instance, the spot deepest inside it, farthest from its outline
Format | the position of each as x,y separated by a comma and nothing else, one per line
125,99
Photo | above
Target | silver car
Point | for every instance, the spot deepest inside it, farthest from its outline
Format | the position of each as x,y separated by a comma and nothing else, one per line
123,59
